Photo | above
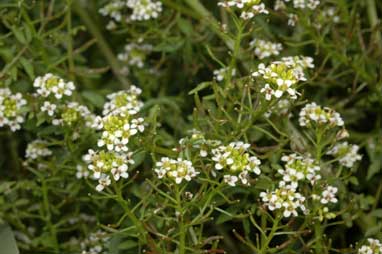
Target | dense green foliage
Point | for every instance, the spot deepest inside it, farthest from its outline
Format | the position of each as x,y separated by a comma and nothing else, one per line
212,196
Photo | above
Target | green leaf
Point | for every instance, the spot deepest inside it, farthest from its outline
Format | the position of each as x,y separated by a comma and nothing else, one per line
19,35
28,67
199,87
185,26
376,213
127,245
264,183
94,98
7,240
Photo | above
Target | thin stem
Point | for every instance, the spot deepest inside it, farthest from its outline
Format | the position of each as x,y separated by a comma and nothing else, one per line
182,228
374,22
69,39
48,216
269,238
102,44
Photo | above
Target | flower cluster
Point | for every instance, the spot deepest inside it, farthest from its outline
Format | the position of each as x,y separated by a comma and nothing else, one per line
11,105
282,76
131,10
36,149
303,4
102,163
284,198
117,124
54,91
52,85
249,8
177,170
299,168
374,246
69,113
134,54
113,9
264,49
123,101
221,74
236,163
144,9
299,64
314,114
94,244
299,4
348,154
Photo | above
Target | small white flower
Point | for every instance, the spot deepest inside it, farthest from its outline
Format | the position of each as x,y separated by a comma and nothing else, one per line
348,154
329,195
82,172
103,182
221,74
48,107
264,49
36,149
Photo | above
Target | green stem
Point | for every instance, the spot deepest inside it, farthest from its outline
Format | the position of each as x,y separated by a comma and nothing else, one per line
137,223
48,215
70,41
374,22
318,235
182,228
318,145
269,238
317,226
102,44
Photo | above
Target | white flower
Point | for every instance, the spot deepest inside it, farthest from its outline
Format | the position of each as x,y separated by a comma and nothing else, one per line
103,182
48,107
82,172
286,199
231,180
221,74
11,106
282,77
264,49
315,114
120,122
144,9
50,84
302,4
329,195
347,154
299,168
94,243
108,163
292,19
36,149
249,8
373,246
177,170
236,162
134,54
